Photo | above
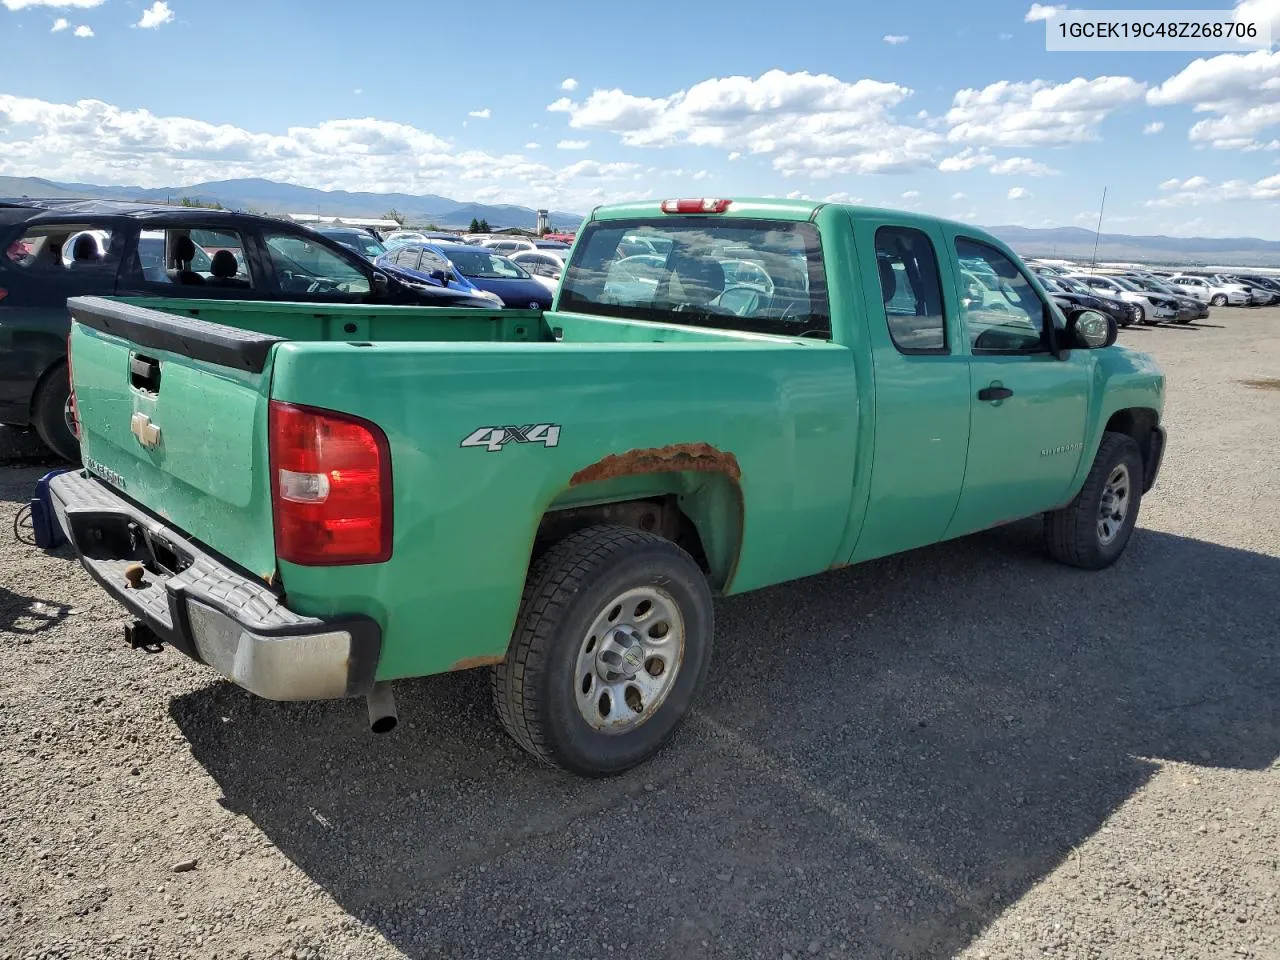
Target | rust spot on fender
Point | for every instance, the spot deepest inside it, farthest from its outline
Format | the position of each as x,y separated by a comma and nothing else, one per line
670,459
470,663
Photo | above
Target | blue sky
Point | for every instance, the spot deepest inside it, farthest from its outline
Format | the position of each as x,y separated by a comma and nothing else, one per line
954,109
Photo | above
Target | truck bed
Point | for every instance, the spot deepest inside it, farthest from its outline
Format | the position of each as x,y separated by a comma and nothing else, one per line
715,418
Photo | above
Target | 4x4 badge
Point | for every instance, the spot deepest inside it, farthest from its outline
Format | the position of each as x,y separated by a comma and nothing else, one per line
494,439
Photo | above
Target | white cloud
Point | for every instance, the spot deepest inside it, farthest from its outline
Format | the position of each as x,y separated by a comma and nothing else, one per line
531,145
358,90
1198,191
568,83
1023,167
735,155
971,158
894,39
573,144
841,196
484,114
911,195
1241,90
1254,11
79,4
1173,183
1154,127
958,196
1019,193
94,141
1040,11
966,159
1005,36
62,23
813,124
83,31
1038,113
156,15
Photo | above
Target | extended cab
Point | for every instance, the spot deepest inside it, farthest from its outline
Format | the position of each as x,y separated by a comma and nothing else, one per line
317,500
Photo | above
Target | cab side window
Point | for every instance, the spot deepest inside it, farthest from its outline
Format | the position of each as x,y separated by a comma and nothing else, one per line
408,258
64,248
1002,311
911,290
194,257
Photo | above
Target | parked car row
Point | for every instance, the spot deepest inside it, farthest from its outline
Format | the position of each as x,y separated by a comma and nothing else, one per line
55,249
1189,290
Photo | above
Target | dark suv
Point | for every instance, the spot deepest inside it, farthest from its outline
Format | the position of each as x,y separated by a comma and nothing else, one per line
54,249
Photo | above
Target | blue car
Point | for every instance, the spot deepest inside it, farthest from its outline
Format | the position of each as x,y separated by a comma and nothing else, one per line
464,267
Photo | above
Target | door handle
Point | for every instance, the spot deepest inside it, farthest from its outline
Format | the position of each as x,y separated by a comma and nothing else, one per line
995,393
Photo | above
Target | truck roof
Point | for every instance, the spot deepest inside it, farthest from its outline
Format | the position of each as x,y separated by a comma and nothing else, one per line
772,208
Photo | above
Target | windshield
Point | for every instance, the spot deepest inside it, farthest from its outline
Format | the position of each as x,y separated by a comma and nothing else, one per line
357,240
484,265
762,276
1076,286
1124,284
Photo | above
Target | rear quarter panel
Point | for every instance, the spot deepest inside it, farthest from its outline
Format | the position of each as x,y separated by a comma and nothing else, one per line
465,517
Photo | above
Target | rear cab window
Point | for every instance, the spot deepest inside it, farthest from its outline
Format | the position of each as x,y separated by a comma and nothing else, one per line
753,275
911,290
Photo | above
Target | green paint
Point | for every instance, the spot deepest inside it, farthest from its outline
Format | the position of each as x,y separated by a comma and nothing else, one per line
847,449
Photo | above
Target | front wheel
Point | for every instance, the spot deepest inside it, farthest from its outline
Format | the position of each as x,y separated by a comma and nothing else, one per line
1094,528
1139,313
1219,300
611,644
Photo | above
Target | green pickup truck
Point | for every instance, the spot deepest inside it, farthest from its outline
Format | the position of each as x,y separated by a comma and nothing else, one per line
318,500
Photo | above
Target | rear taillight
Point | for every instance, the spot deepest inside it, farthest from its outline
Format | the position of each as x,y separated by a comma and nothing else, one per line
330,487
696,205
3,293
73,415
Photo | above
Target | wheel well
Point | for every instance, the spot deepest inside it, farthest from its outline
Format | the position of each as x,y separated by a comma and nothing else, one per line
660,514
1136,422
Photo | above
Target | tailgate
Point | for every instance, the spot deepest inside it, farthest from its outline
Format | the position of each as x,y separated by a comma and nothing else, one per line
173,413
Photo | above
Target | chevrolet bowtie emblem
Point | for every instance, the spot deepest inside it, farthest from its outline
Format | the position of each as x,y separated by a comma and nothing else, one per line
147,433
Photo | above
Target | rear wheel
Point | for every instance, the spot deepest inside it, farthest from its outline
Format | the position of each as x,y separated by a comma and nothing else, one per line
1094,528
49,413
612,642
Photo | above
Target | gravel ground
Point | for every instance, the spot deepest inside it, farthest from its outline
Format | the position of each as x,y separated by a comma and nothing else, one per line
967,750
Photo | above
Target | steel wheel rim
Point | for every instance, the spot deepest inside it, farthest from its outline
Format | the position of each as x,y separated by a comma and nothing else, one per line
629,659
1114,506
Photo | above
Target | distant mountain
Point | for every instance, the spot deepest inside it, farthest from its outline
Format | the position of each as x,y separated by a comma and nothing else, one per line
1074,243
268,196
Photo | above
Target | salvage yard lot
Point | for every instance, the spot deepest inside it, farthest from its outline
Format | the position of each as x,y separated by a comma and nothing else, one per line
966,749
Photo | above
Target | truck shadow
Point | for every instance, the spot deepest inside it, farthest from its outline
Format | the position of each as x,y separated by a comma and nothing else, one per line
25,616
884,759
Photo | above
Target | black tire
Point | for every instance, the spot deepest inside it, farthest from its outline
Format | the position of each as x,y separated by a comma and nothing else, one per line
49,413
534,688
1071,532
1219,300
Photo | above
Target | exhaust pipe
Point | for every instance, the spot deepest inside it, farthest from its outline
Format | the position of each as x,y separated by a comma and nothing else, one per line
382,708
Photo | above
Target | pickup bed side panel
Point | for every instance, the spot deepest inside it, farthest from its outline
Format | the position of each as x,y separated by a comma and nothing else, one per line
465,516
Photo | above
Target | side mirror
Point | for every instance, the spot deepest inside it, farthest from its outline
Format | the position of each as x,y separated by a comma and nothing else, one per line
1091,330
380,281
440,276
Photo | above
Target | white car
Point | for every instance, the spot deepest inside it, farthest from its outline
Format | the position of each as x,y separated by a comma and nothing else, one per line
541,263
1149,308
1209,291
